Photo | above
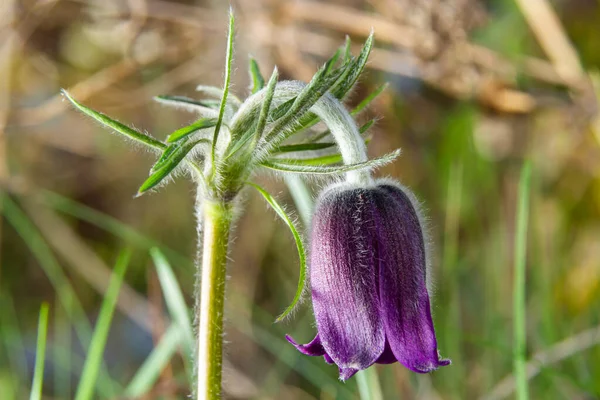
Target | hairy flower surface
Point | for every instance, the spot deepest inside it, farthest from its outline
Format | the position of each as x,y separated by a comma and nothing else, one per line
368,281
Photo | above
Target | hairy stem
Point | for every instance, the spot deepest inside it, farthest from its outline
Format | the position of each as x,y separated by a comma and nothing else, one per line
216,218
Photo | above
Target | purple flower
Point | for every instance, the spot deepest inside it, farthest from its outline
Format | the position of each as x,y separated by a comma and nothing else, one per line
368,281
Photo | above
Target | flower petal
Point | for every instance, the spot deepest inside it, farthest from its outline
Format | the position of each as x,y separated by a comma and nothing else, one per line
403,292
343,273
387,357
347,373
314,348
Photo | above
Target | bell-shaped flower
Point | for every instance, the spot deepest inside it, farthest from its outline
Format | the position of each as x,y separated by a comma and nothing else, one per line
368,281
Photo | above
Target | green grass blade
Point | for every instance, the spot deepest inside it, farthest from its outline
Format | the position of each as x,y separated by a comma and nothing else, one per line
258,82
40,354
63,288
519,304
116,125
299,245
305,166
228,61
150,370
184,132
62,353
12,336
174,297
94,358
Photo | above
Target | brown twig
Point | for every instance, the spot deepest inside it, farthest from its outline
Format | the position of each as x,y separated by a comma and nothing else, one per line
551,36
355,22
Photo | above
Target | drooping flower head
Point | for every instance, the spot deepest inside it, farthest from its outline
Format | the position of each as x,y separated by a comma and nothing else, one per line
368,280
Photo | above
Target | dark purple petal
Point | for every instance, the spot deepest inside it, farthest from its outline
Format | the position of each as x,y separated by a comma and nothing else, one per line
387,357
343,274
403,292
347,373
314,348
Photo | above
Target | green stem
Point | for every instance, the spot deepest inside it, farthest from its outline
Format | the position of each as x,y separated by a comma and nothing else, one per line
216,227
368,384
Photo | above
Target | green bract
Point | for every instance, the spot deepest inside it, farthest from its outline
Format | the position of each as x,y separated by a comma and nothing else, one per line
230,140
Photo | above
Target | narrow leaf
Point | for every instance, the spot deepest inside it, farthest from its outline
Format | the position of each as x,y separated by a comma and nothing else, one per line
258,82
94,358
166,155
316,88
168,166
366,126
347,74
228,62
348,80
295,166
311,93
262,119
40,354
189,104
367,100
332,61
116,125
291,148
281,110
362,129
266,106
299,245
218,93
347,49
202,123
328,159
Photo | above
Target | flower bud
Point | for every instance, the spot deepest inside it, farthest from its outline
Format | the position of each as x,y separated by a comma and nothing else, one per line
368,281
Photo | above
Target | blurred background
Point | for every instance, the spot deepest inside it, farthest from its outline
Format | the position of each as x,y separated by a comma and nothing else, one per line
476,88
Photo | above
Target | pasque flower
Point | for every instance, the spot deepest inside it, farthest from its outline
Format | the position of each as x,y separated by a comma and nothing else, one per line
368,259
368,280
